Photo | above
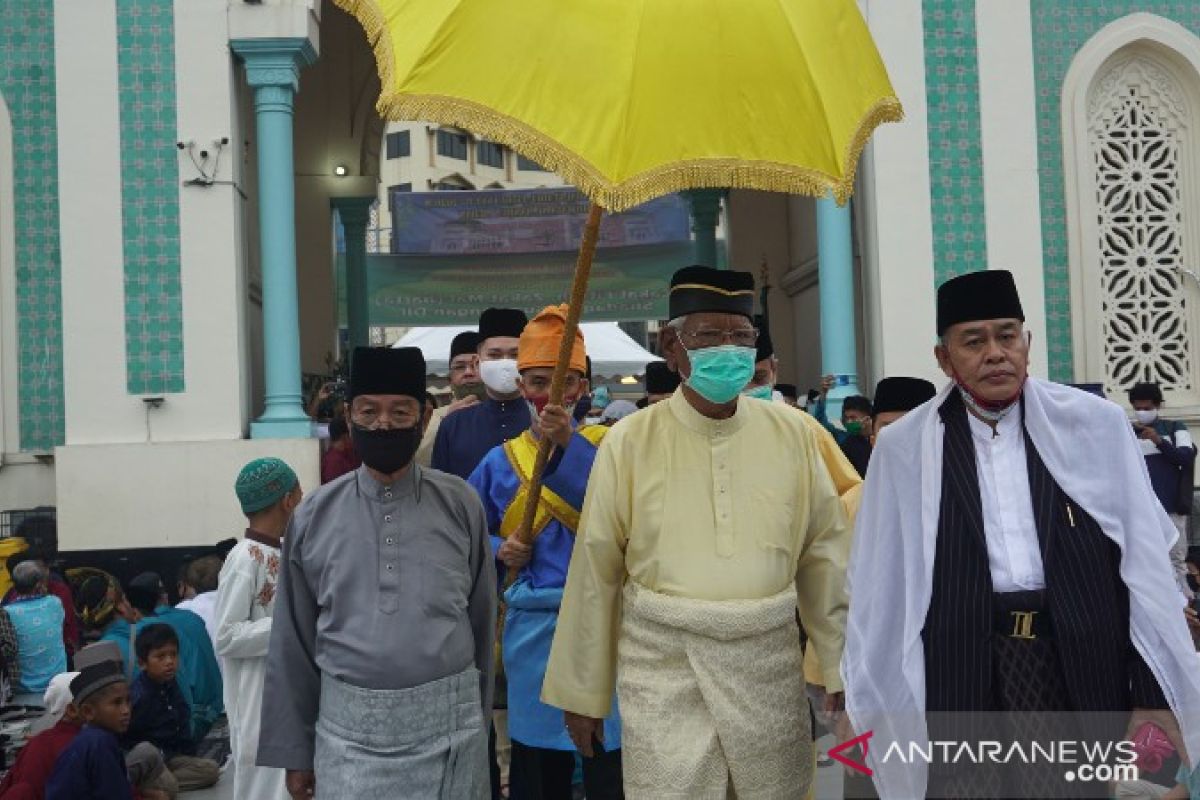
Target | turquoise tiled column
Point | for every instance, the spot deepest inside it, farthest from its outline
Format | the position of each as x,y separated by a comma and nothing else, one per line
835,273
355,214
706,212
273,70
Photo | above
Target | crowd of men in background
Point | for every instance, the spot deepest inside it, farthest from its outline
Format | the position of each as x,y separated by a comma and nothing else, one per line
350,637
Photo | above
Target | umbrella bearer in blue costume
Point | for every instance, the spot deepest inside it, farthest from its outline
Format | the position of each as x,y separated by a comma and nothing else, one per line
543,756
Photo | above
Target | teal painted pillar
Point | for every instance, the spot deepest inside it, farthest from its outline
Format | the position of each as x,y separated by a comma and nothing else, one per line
706,212
835,272
273,71
355,214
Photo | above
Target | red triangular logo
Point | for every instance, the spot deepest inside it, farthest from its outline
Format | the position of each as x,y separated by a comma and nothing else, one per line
836,752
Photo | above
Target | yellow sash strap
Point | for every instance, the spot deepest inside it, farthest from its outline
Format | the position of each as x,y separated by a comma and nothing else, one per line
522,453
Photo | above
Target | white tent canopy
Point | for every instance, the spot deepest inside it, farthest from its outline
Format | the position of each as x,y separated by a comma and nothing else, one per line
614,354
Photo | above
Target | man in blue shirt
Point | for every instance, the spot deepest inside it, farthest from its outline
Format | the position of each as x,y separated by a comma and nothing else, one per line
1170,459
464,438
543,756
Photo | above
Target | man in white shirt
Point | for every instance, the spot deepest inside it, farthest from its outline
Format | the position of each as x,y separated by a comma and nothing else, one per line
1010,579
198,590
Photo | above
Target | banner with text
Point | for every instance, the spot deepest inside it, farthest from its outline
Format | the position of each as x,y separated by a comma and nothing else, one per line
627,283
497,222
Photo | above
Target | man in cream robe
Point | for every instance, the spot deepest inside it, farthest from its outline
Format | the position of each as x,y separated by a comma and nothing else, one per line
708,520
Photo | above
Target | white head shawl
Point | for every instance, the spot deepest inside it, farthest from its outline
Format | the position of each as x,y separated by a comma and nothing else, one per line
1089,448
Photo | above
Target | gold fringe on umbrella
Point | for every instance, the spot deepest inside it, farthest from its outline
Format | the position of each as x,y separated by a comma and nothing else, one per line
709,173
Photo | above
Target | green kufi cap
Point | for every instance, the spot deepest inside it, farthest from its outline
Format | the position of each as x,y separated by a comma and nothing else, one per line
262,483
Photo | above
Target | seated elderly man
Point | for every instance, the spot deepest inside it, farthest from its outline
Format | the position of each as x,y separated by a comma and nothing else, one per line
37,619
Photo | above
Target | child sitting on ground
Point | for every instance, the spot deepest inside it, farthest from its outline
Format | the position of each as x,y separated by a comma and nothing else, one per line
93,765
161,716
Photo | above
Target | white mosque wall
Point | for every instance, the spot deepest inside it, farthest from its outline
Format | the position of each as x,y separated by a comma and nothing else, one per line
1008,118
213,407
162,495
896,235
99,409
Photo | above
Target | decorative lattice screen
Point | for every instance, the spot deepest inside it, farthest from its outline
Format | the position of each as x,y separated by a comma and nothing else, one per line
1137,120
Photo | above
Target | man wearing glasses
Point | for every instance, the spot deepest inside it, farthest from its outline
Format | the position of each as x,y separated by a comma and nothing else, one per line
379,671
709,519
465,386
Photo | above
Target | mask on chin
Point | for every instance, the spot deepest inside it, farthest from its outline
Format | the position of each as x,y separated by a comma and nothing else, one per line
989,410
538,404
477,390
386,450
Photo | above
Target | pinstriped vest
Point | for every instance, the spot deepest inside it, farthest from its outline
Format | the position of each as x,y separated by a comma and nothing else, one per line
1087,600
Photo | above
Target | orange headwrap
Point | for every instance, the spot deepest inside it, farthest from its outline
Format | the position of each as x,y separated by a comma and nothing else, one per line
543,336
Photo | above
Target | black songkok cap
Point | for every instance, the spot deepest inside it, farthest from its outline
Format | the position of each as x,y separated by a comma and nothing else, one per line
387,370
465,342
95,677
502,322
765,348
787,390
901,394
660,379
990,294
699,290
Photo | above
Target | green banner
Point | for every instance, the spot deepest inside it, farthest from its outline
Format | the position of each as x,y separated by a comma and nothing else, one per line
627,283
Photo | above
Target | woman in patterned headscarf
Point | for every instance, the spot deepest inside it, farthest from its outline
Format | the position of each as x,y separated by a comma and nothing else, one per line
105,613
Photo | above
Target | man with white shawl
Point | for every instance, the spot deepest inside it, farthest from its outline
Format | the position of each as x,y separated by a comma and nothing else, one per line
1010,568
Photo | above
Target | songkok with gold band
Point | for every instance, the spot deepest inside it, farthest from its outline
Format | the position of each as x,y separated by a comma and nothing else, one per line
542,338
901,394
387,370
990,294
700,290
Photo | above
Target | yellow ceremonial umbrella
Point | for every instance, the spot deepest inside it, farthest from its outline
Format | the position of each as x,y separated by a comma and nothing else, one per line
632,99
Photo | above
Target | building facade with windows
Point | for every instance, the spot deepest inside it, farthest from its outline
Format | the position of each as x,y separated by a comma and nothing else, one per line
423,157
169,170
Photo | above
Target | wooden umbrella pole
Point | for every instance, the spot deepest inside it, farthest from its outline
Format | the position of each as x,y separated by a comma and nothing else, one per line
583,270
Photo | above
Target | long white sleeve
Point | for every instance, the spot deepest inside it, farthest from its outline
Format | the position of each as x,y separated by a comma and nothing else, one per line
237,635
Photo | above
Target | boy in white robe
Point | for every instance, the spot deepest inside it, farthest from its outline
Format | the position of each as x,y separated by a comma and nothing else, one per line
268,491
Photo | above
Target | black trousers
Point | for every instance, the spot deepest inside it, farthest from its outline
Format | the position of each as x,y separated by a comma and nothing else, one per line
535,773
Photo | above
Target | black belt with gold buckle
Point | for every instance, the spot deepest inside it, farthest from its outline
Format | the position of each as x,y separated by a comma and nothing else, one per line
1022,615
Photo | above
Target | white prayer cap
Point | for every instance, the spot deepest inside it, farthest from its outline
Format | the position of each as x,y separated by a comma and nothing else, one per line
57,697
58,693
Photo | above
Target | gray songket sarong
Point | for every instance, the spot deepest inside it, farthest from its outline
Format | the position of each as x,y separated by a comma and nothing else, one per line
427,742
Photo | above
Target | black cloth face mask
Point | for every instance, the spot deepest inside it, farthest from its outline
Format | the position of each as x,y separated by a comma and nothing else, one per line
386,450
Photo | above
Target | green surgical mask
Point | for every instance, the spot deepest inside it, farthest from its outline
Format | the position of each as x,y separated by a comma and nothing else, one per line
854,428
764,392
720,373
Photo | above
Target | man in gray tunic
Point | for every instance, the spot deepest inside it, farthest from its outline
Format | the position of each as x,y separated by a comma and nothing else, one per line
379,672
